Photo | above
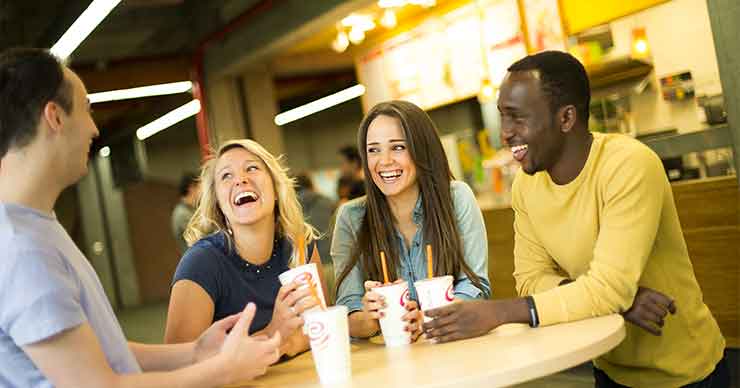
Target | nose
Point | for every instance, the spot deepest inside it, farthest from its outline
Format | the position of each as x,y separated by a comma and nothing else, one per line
507,132
386,157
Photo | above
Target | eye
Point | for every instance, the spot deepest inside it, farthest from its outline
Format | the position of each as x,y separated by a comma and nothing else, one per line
252,168
372,150
399,147
225,176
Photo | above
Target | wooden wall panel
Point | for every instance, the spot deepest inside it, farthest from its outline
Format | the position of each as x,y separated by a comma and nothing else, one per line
149,206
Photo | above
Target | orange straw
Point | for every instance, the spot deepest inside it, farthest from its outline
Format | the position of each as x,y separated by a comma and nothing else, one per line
430,269
301,251
315,295
385,267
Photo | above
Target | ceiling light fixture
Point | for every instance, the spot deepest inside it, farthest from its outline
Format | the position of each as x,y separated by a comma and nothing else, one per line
143,91
389,19
82,27
356,35
320,104
391,3
341,42
359,22
188,110
105,152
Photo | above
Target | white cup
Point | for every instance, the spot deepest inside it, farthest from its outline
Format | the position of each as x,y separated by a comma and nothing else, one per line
328,333
308,276
433,293
393,328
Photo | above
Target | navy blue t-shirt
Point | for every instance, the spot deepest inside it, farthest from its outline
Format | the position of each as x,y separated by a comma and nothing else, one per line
232,282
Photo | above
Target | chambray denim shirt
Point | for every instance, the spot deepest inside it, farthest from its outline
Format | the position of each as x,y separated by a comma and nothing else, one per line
413,260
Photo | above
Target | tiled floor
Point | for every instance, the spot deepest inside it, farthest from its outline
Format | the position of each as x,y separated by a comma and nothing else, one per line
146,324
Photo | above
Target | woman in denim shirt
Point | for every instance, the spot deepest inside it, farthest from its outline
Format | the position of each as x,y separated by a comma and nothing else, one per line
407,177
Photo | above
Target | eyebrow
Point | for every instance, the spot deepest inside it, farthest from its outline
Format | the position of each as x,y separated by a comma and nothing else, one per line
245,162
389,141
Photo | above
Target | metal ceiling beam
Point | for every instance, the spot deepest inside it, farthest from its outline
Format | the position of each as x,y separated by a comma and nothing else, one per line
133,72
286,23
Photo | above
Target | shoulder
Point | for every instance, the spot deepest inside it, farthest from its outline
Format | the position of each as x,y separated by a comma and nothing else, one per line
461,191
204,253
623,157
352,211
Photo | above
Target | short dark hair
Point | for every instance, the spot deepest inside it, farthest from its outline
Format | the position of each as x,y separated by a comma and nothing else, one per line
351,154
303,182
187,180
29,79
564,80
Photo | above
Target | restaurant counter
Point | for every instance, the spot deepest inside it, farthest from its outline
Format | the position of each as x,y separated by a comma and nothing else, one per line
708,211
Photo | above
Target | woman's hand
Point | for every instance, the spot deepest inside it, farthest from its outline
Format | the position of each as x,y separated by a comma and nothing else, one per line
372,302
414,319
290,303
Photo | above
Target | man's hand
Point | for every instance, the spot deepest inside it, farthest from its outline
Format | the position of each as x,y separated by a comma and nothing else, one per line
649,310
246,357
461,320
209,343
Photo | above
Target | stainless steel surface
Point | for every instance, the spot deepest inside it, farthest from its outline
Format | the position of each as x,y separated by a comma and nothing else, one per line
673,146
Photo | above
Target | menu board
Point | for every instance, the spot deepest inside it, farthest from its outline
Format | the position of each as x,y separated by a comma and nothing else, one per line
444,59
544,29
504,41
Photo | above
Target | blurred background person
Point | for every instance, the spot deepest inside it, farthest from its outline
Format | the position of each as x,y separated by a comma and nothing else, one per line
351,182
182,213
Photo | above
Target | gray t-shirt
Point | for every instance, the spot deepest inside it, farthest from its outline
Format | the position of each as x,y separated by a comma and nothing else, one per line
47,286
181,215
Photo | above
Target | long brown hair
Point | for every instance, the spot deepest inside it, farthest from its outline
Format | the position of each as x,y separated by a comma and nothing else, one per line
377,232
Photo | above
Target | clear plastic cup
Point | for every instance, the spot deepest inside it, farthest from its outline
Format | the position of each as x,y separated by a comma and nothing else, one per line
393,328
433,293
328,333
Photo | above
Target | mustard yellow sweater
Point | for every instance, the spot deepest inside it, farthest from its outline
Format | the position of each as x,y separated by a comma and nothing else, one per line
612,229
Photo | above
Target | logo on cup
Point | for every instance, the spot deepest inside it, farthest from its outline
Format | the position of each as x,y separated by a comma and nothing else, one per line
404,297
318,335
449,295
304,278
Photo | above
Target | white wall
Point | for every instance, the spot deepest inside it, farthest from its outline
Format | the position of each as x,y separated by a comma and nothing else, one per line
680,39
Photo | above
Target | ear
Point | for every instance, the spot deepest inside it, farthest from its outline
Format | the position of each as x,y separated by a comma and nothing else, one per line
53,115
567,116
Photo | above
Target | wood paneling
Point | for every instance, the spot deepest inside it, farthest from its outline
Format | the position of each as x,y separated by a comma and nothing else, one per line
149,207
708,211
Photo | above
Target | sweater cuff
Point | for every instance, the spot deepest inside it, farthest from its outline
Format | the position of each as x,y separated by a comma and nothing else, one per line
551,308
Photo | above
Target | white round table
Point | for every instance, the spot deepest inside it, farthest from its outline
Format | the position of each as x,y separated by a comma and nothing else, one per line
509,355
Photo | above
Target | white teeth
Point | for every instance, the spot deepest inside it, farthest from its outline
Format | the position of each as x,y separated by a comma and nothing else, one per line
390,174
519,148
245,197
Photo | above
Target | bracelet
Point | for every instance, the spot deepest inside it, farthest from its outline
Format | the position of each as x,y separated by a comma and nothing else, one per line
534,319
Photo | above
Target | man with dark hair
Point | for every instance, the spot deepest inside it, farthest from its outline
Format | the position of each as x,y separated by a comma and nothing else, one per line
182,213
351,183
611,192
56,326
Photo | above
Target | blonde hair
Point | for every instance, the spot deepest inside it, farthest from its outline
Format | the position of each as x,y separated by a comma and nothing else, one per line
208,217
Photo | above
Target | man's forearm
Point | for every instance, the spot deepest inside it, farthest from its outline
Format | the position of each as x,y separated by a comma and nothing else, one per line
210,373
163,357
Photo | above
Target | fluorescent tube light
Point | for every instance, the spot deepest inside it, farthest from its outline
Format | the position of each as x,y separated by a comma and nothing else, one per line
190,109
320,104
143,91
82,27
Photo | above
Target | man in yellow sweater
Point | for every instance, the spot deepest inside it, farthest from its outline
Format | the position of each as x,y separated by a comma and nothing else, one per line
595,226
